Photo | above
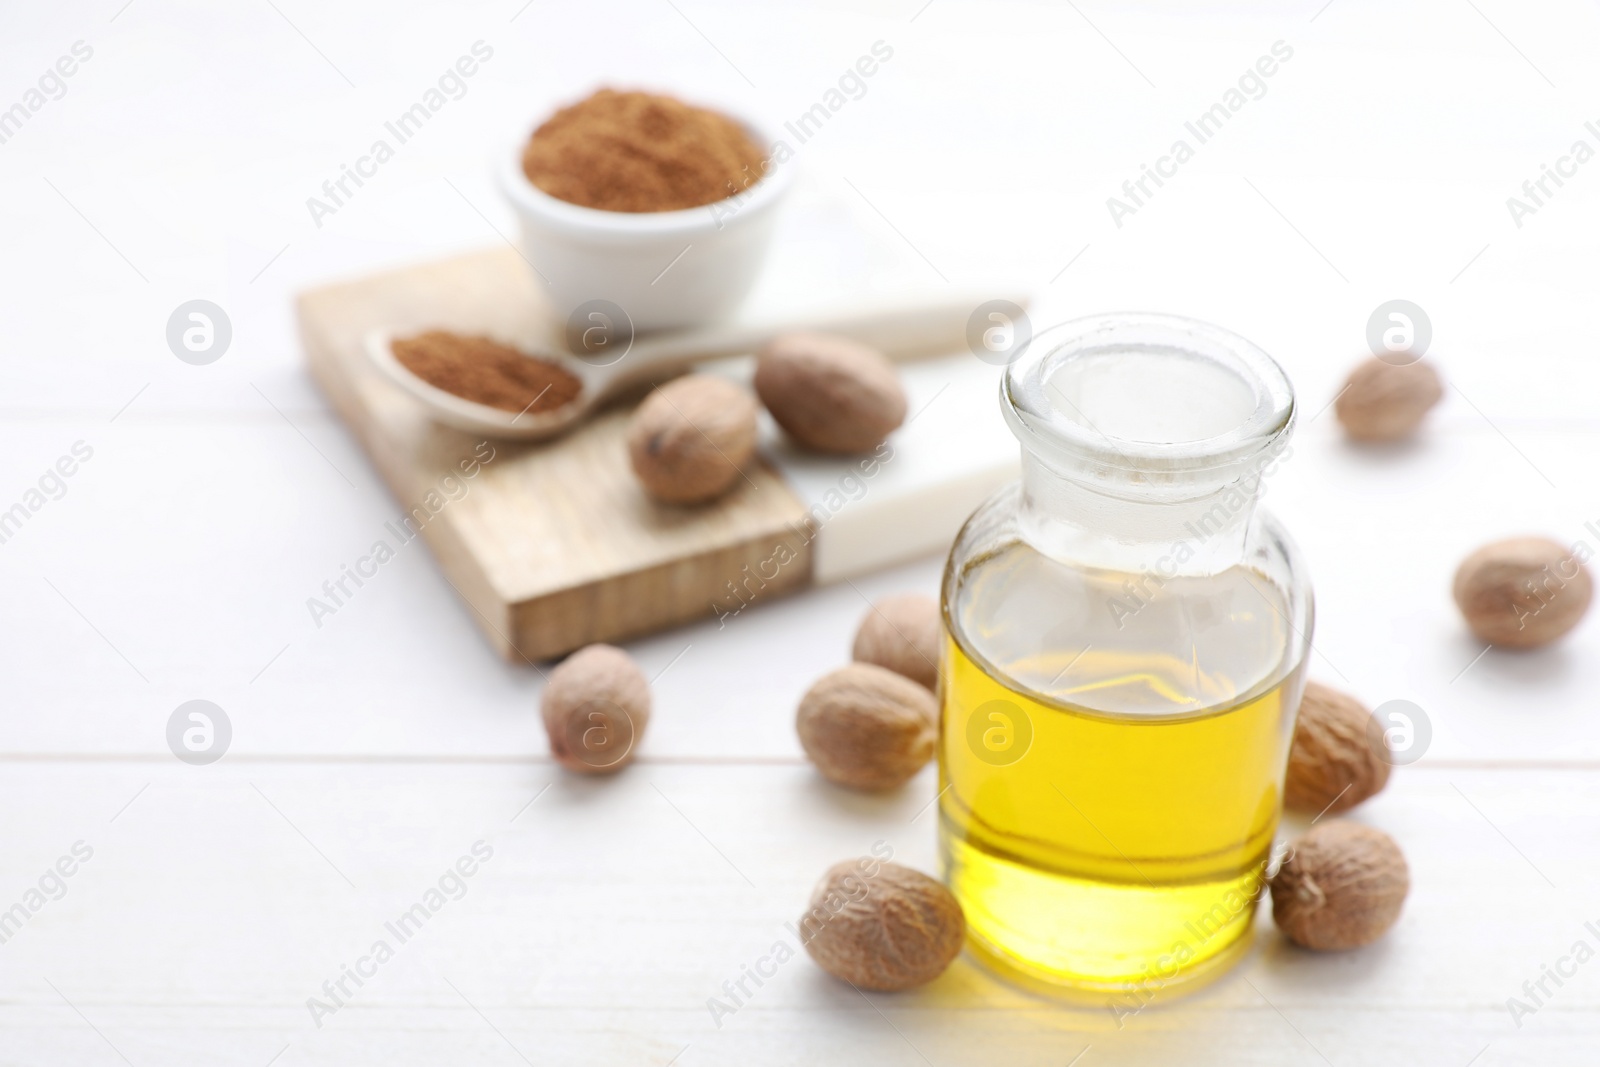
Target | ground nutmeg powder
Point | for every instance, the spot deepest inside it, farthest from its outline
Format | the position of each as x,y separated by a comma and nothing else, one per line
485,371
638,152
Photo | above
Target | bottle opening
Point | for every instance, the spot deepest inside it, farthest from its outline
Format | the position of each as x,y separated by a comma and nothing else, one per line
1149,395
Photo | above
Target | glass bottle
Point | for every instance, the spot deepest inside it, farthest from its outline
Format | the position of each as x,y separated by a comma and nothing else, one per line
1124,651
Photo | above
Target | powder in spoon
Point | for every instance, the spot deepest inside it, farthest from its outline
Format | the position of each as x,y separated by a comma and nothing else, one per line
486,372
638,152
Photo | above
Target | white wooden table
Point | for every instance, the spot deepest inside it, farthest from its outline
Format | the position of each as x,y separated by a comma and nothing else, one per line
371,754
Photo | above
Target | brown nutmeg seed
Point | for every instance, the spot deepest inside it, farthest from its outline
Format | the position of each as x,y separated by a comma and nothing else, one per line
902,633
690,438
879,925
1333,764
1341,887
830,393
595,708
866,727
1385,402
1522,592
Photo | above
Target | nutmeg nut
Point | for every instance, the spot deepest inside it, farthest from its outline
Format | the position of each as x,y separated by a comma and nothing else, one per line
596,705
829,393
1333,765
866,727
1341,887
1522,592
1385,402
690,438
902,633
878,925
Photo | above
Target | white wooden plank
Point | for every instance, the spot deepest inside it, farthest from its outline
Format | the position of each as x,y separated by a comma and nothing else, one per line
1207,245
217,903
193,548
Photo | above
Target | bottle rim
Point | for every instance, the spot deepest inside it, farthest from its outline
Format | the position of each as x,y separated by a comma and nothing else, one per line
1066,439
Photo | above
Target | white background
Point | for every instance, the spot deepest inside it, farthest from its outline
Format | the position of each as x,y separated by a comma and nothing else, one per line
370,753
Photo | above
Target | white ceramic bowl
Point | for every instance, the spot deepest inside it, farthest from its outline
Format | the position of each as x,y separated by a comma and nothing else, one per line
665,269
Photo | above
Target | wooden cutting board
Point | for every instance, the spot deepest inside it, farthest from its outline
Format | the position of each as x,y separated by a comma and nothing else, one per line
554,545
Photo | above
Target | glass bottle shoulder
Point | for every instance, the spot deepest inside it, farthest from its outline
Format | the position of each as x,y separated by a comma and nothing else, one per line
1148,642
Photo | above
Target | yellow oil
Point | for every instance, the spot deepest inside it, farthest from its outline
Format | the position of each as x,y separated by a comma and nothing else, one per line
1112,756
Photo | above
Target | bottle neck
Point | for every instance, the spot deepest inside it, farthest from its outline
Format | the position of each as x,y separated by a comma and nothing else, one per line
1126,527
1145,439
